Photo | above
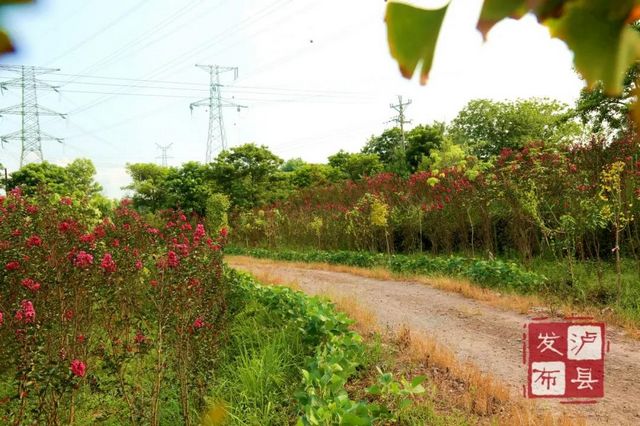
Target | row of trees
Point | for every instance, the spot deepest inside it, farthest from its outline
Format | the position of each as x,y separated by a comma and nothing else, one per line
251,175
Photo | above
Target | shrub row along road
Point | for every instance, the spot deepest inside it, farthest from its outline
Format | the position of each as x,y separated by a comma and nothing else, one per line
488,337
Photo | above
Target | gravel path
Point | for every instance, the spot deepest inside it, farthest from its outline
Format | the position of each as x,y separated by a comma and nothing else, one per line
489,337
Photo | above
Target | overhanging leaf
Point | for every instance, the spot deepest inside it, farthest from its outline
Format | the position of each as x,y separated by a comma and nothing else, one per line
5,43
603,43
412,34
494,11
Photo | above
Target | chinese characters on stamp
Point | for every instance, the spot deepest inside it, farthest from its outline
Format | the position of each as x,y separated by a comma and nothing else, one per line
565,360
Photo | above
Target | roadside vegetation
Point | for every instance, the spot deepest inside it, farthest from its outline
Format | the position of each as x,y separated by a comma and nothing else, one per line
531,196
455,393
125,319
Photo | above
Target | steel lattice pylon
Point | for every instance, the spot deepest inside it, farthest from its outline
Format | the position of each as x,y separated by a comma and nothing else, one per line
216,103
30,134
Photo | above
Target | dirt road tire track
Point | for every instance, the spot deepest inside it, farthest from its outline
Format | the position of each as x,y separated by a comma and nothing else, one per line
487,336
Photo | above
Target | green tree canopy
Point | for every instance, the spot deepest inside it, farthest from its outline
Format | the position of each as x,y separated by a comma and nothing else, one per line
314,174
608,115
421,141
190,186
76,179
486,127
293,164
148,185
356,166
249,175
386,146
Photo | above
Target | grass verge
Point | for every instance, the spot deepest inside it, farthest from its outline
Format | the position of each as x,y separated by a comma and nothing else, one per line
291,356
456,393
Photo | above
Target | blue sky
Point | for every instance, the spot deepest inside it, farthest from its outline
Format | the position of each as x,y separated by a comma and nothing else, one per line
316,75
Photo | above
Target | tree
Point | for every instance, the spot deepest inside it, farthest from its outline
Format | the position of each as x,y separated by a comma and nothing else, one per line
80,177
293,164
386,146
356,166
608,115
421,141
313,174
249,175
148,186
190,187
77,179
446,156
487,127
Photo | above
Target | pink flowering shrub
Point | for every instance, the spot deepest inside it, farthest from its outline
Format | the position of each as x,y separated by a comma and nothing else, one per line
86,302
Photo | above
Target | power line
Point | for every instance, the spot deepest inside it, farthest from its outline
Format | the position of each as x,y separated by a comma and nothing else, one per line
122,50
112,23
137,118
215,103
167,65
190,83
30,135
266,90
292,98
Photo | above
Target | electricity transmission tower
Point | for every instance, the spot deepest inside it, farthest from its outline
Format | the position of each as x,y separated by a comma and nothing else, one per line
163,156
30,134
400,119
216,103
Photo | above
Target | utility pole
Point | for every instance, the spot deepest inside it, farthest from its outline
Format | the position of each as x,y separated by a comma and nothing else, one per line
29,135
216,103
400,119
163,156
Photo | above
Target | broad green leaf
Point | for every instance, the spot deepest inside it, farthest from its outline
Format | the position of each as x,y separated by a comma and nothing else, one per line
412,34
494,11
374,390
418,380
603,43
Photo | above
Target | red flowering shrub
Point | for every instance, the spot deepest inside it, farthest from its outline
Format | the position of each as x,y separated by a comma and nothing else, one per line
73,322
543,199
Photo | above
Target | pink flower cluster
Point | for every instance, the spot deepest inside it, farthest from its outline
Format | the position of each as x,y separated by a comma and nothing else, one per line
26,313
198,323
78,368
172,259
108,265
12,266
30,284
34,241
83,260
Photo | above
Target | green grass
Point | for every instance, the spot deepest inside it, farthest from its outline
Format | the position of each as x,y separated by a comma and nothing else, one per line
290,359
260,368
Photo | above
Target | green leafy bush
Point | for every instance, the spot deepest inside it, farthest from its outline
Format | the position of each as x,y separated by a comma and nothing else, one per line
283,339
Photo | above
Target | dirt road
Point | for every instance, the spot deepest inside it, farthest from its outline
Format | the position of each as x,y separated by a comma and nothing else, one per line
489,337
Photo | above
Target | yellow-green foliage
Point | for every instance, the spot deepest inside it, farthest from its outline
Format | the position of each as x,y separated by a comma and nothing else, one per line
379,215
316,225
